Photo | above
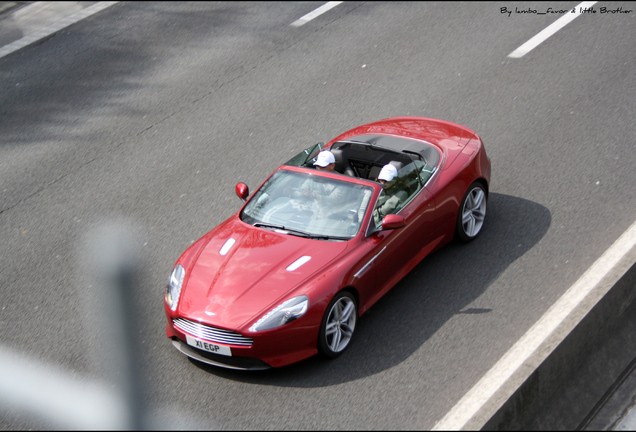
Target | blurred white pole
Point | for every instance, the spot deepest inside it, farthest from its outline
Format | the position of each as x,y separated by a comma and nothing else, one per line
29,387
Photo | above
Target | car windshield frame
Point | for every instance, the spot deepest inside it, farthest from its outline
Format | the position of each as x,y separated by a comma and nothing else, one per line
307,203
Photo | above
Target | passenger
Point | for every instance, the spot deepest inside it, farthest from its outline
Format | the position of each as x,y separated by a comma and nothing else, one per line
388,173
391,196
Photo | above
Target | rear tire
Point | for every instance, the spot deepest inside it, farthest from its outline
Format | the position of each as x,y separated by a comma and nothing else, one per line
472,213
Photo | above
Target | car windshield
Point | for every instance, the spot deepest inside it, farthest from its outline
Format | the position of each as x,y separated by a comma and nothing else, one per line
309,205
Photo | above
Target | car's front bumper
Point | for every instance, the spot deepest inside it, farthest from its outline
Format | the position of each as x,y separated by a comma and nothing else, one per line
234,362
277,348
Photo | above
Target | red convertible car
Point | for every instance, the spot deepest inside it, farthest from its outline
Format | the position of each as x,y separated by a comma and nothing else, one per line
311,250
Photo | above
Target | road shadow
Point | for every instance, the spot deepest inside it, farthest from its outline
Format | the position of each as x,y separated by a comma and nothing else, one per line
415,309
90,69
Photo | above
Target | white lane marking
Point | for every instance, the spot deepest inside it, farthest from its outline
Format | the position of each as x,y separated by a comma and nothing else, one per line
504,378
57,26
315,13
550,30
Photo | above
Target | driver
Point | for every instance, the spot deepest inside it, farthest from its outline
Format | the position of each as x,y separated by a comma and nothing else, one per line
325,161
320,188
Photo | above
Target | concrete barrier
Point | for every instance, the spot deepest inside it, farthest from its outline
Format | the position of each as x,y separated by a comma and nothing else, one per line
569,386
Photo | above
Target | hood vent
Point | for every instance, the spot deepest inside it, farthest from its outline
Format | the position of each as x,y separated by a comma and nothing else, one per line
227,246
299,262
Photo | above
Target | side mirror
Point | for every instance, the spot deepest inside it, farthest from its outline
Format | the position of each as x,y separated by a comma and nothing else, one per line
392,221
242,191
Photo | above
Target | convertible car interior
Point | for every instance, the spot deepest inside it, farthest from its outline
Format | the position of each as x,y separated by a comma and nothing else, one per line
364,156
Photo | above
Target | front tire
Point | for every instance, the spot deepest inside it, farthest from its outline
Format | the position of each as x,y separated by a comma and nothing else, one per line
338,325
472,213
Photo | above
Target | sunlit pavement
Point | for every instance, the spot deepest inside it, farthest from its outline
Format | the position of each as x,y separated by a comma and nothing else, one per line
21,19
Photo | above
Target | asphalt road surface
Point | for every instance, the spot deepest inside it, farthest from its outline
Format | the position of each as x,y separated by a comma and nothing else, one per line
152,112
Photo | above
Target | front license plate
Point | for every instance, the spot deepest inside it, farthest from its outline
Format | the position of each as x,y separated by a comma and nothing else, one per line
209,346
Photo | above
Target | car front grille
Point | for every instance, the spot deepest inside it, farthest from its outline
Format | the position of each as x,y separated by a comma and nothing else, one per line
212,334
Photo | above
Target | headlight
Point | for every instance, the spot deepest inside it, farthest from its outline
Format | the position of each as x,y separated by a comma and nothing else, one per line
290,310
173,290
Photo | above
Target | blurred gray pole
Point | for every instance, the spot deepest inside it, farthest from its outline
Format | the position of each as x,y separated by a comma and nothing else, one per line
116,264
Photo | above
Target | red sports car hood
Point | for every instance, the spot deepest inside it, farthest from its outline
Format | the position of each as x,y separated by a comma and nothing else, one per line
243,271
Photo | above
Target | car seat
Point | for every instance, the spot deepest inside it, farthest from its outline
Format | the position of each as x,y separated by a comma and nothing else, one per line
342,164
